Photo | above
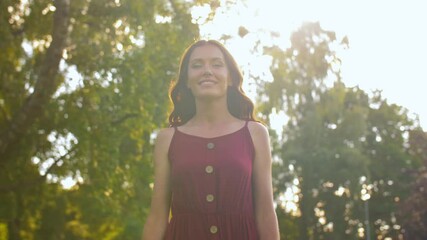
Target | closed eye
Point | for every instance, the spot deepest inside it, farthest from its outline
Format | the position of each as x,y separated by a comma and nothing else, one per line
196,65
218,64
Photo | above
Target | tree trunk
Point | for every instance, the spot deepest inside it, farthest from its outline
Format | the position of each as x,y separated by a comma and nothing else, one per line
46,83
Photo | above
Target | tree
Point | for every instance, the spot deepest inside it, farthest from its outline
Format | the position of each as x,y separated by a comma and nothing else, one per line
83,85
412,209
339,143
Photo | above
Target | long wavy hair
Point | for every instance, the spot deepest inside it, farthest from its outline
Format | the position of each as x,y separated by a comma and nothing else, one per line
184,105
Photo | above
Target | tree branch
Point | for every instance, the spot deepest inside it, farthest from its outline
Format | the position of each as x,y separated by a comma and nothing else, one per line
46,83
36,180
124,118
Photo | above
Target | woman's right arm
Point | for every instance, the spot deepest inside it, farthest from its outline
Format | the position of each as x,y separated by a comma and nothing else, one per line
157,221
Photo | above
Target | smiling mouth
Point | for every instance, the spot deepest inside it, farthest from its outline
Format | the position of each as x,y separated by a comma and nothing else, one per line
207,81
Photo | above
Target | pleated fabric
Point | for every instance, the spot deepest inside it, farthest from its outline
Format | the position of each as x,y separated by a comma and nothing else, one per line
211,181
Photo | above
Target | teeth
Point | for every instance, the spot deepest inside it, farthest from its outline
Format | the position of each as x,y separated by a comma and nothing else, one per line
202,82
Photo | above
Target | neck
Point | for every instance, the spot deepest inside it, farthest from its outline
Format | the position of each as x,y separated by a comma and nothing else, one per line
211,112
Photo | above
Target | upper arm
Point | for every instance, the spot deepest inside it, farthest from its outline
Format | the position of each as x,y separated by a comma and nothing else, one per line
262,179
156,224
160,202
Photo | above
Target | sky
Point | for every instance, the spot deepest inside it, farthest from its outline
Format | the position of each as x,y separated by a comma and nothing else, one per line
388,40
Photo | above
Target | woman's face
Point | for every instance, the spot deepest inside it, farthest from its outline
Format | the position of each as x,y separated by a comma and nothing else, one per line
208,75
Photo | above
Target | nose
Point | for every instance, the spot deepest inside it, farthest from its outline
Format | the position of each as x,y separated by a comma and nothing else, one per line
208,71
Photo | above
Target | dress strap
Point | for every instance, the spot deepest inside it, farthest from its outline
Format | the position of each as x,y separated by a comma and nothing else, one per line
175,128
246,123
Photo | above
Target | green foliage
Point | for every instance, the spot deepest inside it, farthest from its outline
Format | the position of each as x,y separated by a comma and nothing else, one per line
111,95
337,142
412,209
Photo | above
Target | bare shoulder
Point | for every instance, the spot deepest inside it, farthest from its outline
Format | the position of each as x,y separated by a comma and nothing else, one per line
261,143
164,138
257,130
165,134
259,135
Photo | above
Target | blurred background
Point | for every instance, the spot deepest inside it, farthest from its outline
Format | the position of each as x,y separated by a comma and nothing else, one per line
84,90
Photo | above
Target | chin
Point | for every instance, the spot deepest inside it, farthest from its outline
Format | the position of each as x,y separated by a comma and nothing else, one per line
210,96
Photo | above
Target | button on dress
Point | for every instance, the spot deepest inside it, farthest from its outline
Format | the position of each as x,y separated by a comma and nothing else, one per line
211,183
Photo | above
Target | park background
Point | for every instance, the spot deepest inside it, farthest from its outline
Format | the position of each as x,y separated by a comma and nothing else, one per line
83,91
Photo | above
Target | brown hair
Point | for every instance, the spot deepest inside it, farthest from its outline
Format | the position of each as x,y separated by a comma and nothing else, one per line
184,106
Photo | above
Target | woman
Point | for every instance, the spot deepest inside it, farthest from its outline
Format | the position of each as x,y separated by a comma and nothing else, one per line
213,166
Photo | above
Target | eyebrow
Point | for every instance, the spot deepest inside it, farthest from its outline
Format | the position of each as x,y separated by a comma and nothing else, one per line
211,59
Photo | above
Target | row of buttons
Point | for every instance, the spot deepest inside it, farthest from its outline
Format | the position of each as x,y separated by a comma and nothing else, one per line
209,169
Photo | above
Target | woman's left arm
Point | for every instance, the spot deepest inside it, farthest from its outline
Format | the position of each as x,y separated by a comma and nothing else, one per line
265,215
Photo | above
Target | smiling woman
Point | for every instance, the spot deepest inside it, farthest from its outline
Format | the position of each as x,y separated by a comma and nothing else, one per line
239,105
207,74
213,166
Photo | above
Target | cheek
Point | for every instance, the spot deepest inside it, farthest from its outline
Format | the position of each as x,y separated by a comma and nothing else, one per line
192,74
190,78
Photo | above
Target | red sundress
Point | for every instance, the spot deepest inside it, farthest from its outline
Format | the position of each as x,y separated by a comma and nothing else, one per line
211,182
